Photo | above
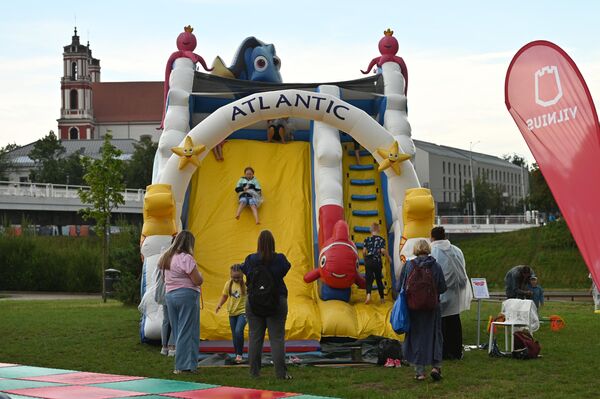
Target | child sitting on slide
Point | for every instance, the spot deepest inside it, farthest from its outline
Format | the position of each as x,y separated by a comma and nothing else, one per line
249,193
235,289
278,130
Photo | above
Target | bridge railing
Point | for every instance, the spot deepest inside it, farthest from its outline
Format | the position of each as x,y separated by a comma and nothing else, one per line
49,190
486,219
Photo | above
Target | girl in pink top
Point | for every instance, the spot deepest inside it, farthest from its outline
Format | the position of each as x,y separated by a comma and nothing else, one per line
182,286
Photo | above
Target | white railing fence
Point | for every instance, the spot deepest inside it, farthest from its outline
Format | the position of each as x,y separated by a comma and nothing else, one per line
49,190
487,219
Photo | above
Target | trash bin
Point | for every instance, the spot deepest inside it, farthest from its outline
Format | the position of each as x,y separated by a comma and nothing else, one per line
111,276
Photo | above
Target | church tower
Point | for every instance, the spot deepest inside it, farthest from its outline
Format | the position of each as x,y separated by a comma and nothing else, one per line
80,70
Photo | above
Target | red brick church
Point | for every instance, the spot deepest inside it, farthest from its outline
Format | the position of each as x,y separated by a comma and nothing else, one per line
90,108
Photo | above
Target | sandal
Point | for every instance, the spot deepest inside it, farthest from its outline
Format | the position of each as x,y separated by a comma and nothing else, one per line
436,374
419,377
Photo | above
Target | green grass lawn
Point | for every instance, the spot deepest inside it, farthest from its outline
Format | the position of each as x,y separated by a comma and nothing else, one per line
87,335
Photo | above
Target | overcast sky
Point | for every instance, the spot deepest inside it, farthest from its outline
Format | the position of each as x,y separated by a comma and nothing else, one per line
457,52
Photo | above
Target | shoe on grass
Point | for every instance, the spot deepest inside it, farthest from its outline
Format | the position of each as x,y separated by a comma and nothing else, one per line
164,351
389,363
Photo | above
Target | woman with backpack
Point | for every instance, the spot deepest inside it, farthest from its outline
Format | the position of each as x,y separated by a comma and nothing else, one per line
423,281
266,306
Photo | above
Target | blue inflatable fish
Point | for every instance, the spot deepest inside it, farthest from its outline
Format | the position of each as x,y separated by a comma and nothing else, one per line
254,61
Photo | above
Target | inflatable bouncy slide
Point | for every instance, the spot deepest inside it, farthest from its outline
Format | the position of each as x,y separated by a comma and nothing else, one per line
318,201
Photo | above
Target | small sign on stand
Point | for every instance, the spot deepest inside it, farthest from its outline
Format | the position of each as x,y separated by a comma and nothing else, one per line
480,291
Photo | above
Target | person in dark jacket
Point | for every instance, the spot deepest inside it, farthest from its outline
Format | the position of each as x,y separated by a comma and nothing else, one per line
517,281
278,266
423,343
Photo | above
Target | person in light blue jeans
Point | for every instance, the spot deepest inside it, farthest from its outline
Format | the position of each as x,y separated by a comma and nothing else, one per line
185,321
182,286
166,334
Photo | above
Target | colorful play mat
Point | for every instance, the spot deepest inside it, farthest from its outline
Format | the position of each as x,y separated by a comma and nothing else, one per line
25,382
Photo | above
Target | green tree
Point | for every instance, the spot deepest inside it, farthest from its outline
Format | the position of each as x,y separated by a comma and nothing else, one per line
5,163
489,198
515,159
104,176
519,160
72,168
540,196
46,155
51,166
139,169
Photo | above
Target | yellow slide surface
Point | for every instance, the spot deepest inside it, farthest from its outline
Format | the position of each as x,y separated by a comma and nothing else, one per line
284,174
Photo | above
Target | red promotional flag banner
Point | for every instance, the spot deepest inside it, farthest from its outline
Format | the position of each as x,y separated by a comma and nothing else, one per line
552,106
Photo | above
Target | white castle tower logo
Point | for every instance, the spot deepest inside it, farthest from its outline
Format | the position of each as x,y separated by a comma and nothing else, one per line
552,70
565,114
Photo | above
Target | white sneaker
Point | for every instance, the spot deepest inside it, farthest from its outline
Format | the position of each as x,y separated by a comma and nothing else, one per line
164,351
171,352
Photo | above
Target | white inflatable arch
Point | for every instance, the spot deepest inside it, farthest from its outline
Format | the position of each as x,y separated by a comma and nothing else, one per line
320,107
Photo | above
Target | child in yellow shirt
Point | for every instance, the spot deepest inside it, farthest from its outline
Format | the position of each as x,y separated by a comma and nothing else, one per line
235,290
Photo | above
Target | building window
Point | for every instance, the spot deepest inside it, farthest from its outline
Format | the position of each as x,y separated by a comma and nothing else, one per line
73,99
454,197
74,70
73,133
455,185
23,179
444,182
454,172
444,196
444,167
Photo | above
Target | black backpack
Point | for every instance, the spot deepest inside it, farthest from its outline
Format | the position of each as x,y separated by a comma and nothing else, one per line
262,292
388,349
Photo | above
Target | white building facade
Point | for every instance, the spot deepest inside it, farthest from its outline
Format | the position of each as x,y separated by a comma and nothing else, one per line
447,170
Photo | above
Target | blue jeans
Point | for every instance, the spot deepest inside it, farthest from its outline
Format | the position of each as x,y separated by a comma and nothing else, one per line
237,324
184,314
166,332
247,201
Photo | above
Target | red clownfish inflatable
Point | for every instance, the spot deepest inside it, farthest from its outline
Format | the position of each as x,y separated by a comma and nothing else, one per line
338,261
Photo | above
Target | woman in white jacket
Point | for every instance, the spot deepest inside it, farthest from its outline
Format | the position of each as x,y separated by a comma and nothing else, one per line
458,296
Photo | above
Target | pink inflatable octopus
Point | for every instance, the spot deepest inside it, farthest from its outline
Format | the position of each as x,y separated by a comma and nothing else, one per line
186,43
388,47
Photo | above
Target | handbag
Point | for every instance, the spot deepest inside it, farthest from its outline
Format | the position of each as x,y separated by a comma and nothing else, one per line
399,318
159,292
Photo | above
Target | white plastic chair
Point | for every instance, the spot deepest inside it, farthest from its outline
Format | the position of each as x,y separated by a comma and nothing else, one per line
519,314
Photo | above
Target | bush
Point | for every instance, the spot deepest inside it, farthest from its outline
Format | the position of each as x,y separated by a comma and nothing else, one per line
125,257
69,264
60,264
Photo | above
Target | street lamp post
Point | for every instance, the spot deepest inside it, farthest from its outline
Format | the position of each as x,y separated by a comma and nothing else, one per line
471,144
523,189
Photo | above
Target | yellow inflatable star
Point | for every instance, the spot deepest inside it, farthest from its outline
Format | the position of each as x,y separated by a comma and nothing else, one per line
392,157
188,153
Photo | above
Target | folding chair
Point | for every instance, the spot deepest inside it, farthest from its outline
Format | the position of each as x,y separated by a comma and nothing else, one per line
519,314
